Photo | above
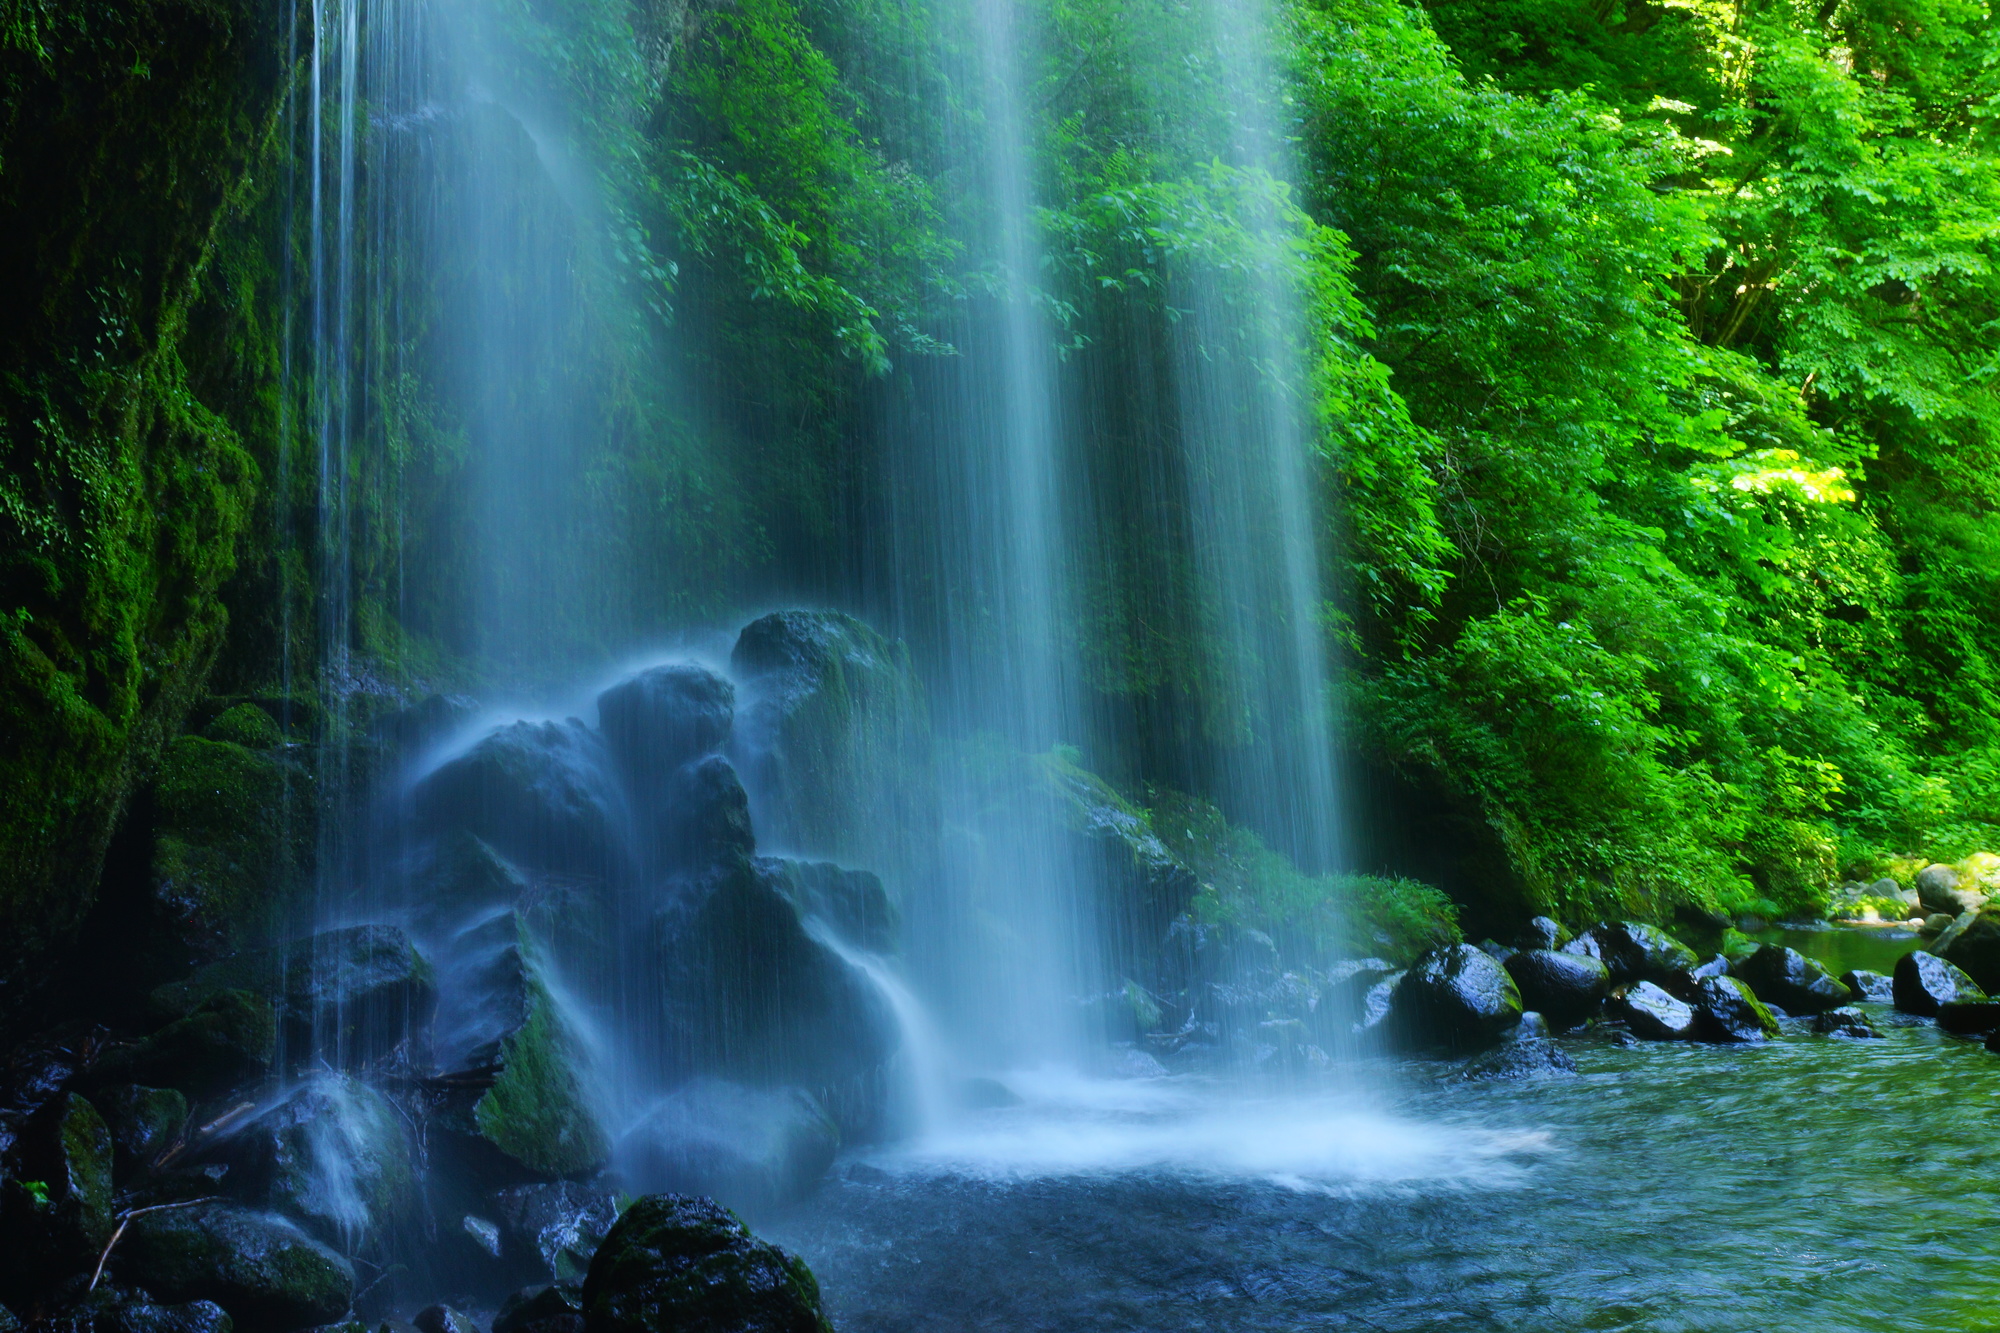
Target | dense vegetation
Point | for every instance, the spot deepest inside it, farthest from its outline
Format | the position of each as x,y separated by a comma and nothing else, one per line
1653,350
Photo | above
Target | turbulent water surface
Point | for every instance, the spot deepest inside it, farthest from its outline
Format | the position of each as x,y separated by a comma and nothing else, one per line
1808,1184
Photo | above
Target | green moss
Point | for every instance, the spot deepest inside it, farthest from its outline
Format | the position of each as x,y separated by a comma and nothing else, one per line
538,1111
246,725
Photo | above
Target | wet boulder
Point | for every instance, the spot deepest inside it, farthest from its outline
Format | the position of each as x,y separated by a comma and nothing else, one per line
144,1122
1716,966
268,1274
1871,987
1790,980
853,902
1542,932
750,1148
554,1308
553,1227
332,1154
1923,982
457,876
1653,1015
147,1316
1533,1058
1971,943
1146,889
407,731
66,1148
227,1039
1633,951
1948,890
677,1263
518,1100
1846,1022
752,997
350,997
1376,1004
1565,988
544,793
443,1319
704,820
1969,1018
1458,997
1730,1011
661,720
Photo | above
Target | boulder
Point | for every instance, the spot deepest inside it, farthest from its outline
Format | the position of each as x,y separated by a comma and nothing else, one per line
1730,1011
1495,950
1971,943
518,1100
553,1227
1923,982
1936,923
1378,1001
144,1316
544,793
346,997
554,1308
408,731
268,1274
144,1122
661,720
1654,1015
1845,1022
66,1147
458,876
332,1154
1565,988
750,1148
1633,951
704,820
1871,987
1969,1018
853,902
1716,966
443,1319
1533,1058
1790,980
1944,889
751,996
1542,932
1458,997
226,1040
675,1263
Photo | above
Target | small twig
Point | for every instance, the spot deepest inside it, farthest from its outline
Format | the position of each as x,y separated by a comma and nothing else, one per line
127,1216
231,1114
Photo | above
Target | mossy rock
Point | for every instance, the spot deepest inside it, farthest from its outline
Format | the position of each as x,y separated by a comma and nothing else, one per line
675,1264
66,1148
227,1040
246,725
268,1274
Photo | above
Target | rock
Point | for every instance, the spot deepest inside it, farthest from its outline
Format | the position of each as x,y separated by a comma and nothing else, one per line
1565,988
1458,997
1943,889
1533,1058
1923,982
1971,943
1542,932
704,820
1633,951
246,725
1377,1003
543,793
750,1148
227,1040
1495,950
270,1276
484,1235
346,997
332,1154
148,1317
675,1263
661,720
1731,1012
443,1319
1653,1014
66,1147
1872,987
1844,1022
519,1101
752,997
1969,1018
553,1227
986,1094
555,1308
144,1122
424,723
1936,923
1130,1062
456,877
853,902
1717,966
1790,980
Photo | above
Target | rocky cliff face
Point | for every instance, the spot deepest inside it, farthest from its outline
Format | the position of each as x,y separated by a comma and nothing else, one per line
134,408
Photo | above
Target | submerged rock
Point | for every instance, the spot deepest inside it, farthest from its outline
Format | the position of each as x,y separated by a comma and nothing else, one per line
1654,1015
1458,997
1873,987
1533,1058
544,793
1731,1012
270,1276
1923,982
553,1227
1969,1018
1790,980
751,1149
675,1264
1633,951
1565,988
1847,1022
